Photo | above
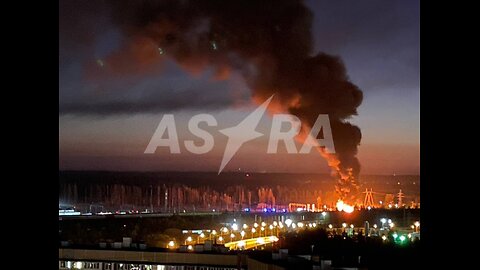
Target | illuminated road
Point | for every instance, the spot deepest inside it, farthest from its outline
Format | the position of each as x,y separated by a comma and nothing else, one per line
251,242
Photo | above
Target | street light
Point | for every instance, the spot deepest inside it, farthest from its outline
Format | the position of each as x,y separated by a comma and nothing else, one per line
330,226
255,225
324,214
231,237
242,233
234,227
245,226
383,220
253,231
417,225
171,244
288,222
264,224
344,225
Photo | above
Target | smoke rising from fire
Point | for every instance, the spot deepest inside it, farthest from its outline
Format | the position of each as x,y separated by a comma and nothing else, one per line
269,42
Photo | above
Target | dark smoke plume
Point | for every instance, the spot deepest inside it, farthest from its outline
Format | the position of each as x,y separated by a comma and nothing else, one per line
269,42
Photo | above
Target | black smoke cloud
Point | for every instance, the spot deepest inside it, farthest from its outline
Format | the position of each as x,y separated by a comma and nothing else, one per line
268,42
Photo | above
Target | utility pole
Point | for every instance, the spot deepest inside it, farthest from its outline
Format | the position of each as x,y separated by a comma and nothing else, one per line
368,201
400,197
151,199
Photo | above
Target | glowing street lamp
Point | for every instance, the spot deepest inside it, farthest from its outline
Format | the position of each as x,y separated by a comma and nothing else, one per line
375,226
245,226
275,223
417,225
330,226
351,226
220,238
234,227
253,231
232,236
344,225
288,222
255,225
264,224
190,247
202,236
391,225
242,233
383,221
171,244
324,214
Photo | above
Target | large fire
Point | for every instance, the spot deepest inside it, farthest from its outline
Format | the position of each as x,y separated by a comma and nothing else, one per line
342,206
346,182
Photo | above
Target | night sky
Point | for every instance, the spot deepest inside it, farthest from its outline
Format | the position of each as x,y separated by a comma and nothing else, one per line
107,119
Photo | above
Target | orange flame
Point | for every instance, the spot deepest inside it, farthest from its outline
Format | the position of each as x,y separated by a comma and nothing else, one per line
342,206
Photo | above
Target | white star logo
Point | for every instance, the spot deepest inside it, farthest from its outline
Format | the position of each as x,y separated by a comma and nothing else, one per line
242,133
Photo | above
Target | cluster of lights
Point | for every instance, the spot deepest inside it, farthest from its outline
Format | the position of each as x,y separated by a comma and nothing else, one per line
236,230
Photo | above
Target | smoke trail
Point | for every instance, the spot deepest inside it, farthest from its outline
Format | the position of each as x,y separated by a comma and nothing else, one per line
268,42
